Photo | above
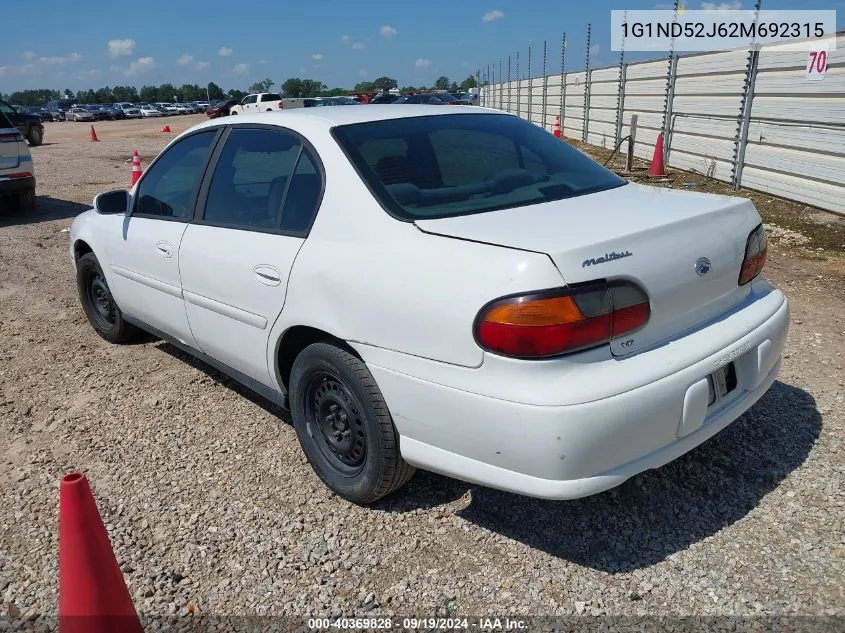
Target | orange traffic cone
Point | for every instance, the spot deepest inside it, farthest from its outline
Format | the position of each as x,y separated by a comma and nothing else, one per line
136,168
93,597
556,127
166,128
93,134
657,169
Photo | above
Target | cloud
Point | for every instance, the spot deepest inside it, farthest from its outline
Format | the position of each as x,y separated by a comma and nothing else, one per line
495,14
363,72
29,56
595,49
185,59
224,52
358,46
240,69
121,48
140,65
387,32
34,58
203,65
422,62
345,39
317,57
736,5
88,74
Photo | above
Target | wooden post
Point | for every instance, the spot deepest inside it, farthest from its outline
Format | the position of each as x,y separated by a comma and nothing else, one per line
629,163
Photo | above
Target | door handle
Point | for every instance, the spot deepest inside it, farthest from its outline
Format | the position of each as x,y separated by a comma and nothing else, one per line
267,275
165,249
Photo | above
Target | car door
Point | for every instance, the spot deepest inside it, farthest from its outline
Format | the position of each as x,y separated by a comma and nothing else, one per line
235,258
143,249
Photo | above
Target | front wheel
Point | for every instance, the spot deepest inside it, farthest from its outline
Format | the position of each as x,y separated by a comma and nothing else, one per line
99,305
233,113
344,426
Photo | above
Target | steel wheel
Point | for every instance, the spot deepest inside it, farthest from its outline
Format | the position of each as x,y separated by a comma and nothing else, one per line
101,300
336,423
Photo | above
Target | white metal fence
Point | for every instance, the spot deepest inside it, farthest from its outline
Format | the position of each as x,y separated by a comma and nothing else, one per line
752,119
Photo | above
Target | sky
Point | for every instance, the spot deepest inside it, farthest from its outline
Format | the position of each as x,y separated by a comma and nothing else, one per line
93,43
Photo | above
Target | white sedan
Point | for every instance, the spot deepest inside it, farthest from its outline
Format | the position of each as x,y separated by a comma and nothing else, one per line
150,111
460,292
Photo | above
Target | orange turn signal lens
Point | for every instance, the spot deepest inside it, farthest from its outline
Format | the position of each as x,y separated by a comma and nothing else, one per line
535,312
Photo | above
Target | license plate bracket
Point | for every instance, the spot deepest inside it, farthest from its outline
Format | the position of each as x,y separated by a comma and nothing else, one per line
721,383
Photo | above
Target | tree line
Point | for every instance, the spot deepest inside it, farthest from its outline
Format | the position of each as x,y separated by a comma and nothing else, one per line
292,87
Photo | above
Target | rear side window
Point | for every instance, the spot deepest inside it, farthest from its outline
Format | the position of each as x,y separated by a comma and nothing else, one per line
264,180
271,96
459,164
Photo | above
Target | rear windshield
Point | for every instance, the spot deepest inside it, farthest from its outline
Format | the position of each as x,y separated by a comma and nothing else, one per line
459,164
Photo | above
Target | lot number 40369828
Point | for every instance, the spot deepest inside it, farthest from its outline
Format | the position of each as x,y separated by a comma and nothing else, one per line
816,64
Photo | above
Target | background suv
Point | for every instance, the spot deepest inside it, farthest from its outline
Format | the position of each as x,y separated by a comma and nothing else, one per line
17,176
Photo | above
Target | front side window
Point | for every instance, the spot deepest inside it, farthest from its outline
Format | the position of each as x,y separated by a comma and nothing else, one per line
169,187
450,165
264,180
250,99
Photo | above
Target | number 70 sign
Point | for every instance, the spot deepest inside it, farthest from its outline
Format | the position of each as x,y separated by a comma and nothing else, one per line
817,64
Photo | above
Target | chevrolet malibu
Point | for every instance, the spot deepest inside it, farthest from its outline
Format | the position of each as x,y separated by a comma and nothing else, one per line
454,291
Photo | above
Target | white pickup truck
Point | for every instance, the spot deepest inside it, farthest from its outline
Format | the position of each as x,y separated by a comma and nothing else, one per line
258,102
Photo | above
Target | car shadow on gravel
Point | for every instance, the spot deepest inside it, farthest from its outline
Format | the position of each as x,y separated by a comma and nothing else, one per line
47,209
663,511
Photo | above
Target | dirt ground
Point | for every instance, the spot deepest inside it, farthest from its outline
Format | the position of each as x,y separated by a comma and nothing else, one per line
212,509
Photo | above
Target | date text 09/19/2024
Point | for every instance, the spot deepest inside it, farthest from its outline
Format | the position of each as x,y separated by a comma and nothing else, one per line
427,624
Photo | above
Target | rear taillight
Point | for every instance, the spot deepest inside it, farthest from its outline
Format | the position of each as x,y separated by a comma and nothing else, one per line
11,137
561,321
755,255
281,105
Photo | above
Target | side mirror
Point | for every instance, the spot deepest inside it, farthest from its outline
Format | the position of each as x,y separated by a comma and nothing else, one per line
112,202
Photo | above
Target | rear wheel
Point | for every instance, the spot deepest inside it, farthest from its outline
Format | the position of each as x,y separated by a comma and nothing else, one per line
26,201
35,135
99,305
344,426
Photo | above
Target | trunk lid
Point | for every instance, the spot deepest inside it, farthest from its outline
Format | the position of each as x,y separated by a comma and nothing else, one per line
685,249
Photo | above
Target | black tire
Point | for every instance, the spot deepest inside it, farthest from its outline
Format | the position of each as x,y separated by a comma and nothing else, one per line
233,114
35,135
332,393
103,313
26,201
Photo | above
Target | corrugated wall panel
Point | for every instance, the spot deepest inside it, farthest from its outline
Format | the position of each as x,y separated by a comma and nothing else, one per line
796,136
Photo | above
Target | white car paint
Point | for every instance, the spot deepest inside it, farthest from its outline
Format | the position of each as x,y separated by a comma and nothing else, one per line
404,295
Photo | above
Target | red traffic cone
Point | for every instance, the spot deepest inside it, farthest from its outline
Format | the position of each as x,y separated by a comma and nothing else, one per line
556,127
657,169
136,168
166,128
93,597
93,134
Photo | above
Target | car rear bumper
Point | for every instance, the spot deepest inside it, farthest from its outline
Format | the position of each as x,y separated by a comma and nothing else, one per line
15,185
575,450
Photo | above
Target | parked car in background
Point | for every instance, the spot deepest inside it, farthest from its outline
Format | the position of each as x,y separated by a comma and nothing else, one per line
202,105
183,108
78,113
149,110
463,98
58,114
167,108
30,125
130,110
17,174
220,108
598,328
99,112
383,98
45,114
62,105
114,113
427,98
337,101
258,102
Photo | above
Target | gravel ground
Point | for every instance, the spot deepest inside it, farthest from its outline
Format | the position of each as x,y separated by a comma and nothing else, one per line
212,509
